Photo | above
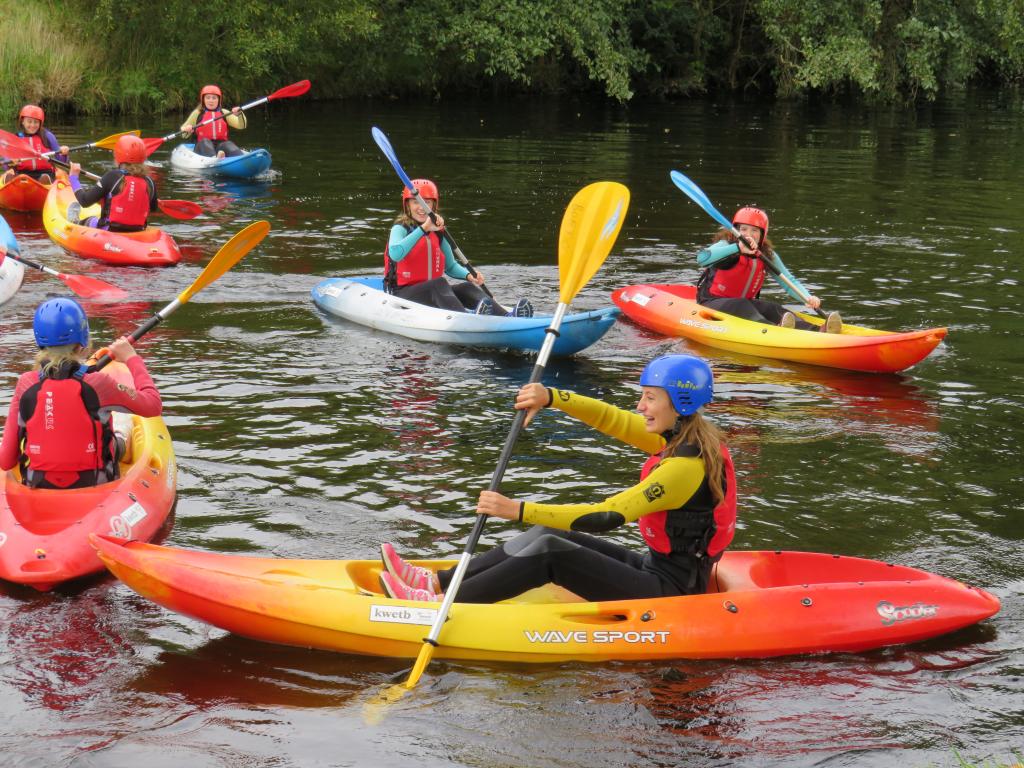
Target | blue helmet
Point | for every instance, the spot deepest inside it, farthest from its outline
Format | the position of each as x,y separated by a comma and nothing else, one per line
60,321
687,379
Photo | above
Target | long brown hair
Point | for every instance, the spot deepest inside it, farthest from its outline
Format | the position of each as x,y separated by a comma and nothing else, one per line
697,431
724,234
135,169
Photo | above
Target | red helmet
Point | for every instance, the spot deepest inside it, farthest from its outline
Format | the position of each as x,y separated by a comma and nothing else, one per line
426,188
31,110
129,149
210,89
755,217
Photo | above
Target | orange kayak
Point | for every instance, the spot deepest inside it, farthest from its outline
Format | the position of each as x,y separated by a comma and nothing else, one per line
44,534
23,193
764,604
151,247
673,310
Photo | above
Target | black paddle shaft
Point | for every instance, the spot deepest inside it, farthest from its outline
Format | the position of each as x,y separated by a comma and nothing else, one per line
772,268
455,246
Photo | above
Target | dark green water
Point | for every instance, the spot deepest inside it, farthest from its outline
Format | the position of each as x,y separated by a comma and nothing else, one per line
301,436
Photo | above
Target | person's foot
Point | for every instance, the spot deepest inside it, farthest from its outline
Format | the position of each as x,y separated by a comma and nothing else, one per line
485,306
833,323
788,320
74,212
220,154
45,179
396,590
7,177
523,308
413,576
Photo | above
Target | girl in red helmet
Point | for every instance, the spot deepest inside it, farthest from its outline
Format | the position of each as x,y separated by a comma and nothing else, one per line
128,193
212,138
734,273
418,257
41,140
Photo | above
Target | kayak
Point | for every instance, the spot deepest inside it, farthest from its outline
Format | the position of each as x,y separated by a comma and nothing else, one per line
152,247
244,166
363,300
674,311
23,193
11,272
765,604
44,534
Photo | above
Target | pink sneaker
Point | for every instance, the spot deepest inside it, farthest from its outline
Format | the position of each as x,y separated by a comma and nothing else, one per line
413,576
398,590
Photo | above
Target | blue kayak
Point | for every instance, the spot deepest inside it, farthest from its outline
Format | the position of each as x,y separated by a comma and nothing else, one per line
244,166
363,300
7,236
11,271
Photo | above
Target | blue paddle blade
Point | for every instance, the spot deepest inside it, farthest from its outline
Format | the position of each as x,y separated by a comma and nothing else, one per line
696,194
389,153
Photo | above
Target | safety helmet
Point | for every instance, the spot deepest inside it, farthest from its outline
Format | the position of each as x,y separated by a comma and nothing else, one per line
210,89
60,321
755,217
31,110
129,149
426,188
687,379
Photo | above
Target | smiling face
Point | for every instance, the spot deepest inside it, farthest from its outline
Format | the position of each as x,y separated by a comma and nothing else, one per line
31,125
657,410
211,100
752,233
416,212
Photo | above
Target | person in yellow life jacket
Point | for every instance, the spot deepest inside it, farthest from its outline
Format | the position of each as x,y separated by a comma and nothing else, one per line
127,193
734,274
42,140
685,505
212,138
64,426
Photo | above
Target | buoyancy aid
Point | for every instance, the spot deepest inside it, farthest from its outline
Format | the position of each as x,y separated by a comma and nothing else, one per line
215,131
65,442
424,262
743,280
695,535
127,206
37,164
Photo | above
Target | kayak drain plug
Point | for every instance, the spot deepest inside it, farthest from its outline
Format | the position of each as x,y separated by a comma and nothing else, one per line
807,602
730,606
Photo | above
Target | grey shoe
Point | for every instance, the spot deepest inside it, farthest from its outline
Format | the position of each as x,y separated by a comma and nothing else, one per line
788,320
485,306
833,323
523,308
74,213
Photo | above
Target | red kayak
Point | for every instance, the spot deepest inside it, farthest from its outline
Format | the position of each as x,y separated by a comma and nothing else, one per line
23,193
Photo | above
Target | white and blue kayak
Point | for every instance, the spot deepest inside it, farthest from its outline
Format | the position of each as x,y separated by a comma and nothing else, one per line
245,166
363,300
11,271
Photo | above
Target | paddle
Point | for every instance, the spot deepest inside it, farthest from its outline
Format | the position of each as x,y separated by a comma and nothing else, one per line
105,143
229,254
176,209
389,153
589,228
696,194
86,287
289,91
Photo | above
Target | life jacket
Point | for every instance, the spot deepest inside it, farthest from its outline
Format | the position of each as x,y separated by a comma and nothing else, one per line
215,131
743,280
126,208
35,164
693,536
424,262
65,442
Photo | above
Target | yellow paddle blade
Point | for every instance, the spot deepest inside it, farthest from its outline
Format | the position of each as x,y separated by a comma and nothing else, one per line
110,141
229,254
589,228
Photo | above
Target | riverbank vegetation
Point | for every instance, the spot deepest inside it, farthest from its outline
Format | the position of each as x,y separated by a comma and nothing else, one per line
102,55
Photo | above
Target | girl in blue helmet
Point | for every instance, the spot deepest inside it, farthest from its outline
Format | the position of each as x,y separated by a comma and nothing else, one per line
59,428
685,505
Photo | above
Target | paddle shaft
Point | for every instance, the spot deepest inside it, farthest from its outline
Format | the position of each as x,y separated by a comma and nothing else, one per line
139,332
459,255
296,89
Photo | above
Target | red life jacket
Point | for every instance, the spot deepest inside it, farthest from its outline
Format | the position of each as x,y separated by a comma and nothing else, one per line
127,206
36,163
701,532
64,441
424,262
743,280
215,131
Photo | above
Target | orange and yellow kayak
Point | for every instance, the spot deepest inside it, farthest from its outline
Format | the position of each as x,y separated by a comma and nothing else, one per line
152,247
44,534
673,310
764,604
23,193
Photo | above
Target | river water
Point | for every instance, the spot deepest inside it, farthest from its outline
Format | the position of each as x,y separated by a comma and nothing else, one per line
302,436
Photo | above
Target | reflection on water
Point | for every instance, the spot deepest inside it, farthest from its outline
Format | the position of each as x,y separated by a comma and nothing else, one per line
302,436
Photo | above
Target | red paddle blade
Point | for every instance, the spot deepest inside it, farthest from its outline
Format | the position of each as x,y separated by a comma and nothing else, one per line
295,89
152,145
91,288
180,209
13,147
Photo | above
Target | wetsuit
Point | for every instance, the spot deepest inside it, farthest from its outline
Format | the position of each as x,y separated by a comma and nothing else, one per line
109,185
213,138
559,550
